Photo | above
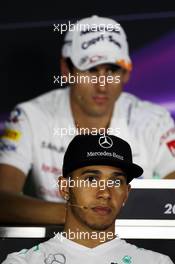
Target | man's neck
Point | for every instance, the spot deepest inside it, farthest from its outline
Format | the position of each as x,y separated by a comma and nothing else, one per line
83,235
84,120
90,239
91,122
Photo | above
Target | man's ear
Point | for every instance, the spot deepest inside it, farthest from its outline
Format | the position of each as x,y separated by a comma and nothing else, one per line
63,184
125,76
63,67
127,193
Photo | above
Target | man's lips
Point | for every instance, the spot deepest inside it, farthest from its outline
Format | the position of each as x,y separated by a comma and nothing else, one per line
102,210
100,99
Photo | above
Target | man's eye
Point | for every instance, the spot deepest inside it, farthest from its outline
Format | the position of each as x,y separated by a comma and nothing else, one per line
116,182
113,69
93,69
91,179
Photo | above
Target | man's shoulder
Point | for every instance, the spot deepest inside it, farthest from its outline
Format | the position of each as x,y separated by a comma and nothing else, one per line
138,104
138,109
32,255
24,256
47,102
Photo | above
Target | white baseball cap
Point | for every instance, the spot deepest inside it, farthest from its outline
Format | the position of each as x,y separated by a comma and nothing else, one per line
96,40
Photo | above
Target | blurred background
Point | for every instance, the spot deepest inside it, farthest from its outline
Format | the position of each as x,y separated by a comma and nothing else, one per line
30,49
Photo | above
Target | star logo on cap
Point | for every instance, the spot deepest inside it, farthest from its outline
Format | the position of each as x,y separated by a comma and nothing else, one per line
105,142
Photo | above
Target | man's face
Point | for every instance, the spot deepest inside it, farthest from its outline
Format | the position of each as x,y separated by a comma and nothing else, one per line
97,96
104,193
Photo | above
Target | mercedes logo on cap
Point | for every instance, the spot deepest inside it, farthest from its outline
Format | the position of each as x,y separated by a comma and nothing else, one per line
105,142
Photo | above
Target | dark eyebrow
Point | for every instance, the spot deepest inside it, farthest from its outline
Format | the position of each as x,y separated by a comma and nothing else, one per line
91,171
97,172
116,174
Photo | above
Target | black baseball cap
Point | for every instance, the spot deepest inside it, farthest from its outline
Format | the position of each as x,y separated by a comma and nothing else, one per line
86,150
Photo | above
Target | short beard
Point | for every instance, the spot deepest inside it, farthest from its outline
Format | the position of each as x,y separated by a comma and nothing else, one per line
98,227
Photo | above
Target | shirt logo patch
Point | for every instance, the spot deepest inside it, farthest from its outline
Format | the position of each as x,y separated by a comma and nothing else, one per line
50,146
51,169
36,248
11,134
23,251
55,259
7,147
127,260
14,116
171,146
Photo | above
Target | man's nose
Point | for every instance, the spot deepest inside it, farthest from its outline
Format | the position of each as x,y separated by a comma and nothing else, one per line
104,192
101,84
102,72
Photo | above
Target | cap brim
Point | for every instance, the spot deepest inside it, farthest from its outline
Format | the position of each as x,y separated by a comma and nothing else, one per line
94,64
132,170
120,63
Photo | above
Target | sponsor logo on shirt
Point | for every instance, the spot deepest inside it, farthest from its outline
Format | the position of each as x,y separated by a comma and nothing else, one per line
7,147
165,136
36,248
50,146
11,134
127,260
156,175
24,251
51,169
14,116
56,258
171,146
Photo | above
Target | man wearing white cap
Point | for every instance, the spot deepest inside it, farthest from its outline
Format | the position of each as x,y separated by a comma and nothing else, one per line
99,191
96,63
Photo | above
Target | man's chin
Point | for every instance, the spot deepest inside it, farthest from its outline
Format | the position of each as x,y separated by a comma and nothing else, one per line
100,226
96,112
97,227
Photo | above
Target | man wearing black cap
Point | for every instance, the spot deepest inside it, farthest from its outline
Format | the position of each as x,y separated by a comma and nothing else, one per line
39,131
89,234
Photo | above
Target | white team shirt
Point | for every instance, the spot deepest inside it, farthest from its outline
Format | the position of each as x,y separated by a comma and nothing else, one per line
32,139
59,250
